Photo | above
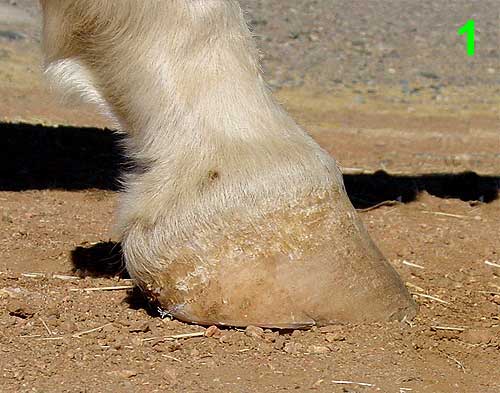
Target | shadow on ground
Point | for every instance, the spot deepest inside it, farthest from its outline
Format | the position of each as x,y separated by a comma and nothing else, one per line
102,259
37,157
105,259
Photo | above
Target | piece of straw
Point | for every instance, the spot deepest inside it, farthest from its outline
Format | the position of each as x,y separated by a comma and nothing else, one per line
353,383
430,297
98,289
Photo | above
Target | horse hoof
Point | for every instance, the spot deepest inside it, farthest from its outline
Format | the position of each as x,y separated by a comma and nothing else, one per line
307,263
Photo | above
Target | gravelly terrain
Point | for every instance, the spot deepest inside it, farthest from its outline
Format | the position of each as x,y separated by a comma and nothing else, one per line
399,42
56,336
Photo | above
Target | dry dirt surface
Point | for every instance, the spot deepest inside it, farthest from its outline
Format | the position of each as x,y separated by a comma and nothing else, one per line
78,327
382,85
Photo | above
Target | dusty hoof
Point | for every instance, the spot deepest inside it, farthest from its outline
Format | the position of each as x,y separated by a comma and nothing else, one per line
310,263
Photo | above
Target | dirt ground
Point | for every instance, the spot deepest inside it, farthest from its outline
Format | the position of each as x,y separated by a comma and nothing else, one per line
383,86
57,336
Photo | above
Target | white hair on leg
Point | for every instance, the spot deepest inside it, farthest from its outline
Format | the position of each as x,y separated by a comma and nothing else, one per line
74,82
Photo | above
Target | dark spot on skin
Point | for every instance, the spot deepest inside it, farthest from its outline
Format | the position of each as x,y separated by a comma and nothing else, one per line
208,181
213,175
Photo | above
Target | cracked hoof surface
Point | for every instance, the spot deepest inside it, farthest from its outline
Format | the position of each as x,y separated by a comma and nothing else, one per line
309,264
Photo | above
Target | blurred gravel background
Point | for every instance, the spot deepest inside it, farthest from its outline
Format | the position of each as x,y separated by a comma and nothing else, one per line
332,42
398,42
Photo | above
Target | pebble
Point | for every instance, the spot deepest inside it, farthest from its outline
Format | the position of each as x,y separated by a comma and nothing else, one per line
318,349
213,331
279,343
139,327
124,374
293,348
313,37
18,308
336,336
254,332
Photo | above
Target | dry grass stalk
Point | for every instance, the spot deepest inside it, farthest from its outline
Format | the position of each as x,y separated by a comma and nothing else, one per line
78,335
430,297
51,338
33,275
353,383
65,278
46,327
171,357
450,328
384,203
404,262
410,285
460,364
43,275
492,264
97,289
176,337
448,215
355,171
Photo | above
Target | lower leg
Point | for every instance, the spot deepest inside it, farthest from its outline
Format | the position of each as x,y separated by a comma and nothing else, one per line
237,216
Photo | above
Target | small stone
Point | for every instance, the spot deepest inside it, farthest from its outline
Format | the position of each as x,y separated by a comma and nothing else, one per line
279,343
19,309
10,293
336,336
271,336
293,348
213,331
53,312
224,339
429,75
265,348
124,374
318,349
140,327
135,341
254,332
